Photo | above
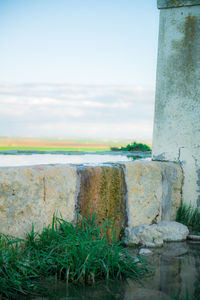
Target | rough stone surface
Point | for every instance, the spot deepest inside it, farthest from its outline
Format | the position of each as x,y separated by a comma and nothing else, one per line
172,180
150,191
153,191
144,187
176,3
172,231
146,235
154,235
103,191
177,107
32,194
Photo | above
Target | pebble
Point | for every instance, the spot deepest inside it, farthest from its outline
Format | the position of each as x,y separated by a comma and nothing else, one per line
144,251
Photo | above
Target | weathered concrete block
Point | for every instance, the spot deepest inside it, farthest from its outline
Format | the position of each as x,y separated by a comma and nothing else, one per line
144,188
60,191
177,107
102,191
172,180
30,195
153,191
150,190
176,3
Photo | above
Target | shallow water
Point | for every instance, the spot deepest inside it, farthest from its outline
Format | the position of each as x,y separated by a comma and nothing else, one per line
10,160
176,272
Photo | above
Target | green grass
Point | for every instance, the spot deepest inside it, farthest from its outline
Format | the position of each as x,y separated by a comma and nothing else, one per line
189,216
48,149
133,147
78,253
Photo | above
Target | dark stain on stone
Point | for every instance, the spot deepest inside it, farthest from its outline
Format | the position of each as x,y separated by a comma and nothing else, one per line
180,68
159,157
198,201
190,27
44,186
189,42
198,183
155,220
185,54
176,3
103,192
169,175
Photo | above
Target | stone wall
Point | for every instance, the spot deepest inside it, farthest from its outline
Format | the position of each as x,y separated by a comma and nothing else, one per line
154,191
177,106
30,195
133,193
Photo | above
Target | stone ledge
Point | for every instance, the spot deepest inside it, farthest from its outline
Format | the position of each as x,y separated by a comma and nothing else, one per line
134,193
176,3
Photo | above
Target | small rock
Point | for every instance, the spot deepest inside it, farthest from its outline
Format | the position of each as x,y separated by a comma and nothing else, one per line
154,235
155,244
147,236
194,237
144,251
172,231
136,259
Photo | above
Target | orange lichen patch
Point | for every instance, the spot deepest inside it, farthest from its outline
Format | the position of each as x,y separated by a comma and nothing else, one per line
190,27
102,192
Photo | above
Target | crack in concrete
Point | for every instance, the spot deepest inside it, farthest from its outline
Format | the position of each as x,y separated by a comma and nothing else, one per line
179,154
195,162
198,172
44,184
181,165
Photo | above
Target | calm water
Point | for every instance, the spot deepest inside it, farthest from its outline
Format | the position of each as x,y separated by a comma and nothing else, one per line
176,272
37,159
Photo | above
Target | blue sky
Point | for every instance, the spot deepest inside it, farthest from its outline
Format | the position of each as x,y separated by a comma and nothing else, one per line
105,48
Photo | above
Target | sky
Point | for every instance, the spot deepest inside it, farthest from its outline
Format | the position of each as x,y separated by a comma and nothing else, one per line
78,68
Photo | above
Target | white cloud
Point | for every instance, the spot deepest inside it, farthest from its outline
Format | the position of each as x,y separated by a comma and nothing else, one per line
87,111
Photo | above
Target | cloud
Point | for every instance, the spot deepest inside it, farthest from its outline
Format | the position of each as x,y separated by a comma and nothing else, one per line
76,111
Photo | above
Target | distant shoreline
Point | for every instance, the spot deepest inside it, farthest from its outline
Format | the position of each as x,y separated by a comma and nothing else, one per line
52,145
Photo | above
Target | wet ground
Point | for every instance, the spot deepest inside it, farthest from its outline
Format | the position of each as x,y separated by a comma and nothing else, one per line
176,275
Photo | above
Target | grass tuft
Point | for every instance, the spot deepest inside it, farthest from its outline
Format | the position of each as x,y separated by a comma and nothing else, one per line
78,253
189,216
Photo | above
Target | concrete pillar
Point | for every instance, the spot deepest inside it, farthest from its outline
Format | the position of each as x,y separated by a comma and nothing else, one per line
177,108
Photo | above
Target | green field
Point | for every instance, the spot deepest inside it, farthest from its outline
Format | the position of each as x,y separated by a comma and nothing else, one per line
50,145
48,149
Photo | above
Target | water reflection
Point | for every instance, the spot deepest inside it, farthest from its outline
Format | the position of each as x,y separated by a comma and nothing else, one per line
176,272
10,160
